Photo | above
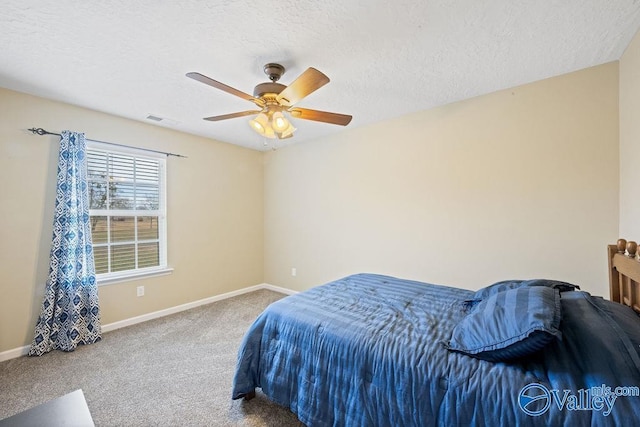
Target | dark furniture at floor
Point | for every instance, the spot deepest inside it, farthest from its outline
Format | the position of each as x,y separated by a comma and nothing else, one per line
70,410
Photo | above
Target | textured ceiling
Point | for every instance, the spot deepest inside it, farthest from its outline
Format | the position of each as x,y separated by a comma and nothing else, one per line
384,58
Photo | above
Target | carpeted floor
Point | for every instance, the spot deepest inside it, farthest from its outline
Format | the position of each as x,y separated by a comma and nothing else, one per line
172,371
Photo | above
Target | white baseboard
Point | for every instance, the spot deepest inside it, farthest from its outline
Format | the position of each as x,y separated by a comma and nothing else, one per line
22,351
14,352
277,289
171,310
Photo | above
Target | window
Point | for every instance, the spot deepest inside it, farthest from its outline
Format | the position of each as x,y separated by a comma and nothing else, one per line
127,210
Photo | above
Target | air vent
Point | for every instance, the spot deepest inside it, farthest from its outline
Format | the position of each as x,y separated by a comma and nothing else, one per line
165,121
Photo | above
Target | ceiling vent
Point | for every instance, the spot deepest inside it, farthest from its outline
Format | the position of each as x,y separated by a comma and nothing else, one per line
164,120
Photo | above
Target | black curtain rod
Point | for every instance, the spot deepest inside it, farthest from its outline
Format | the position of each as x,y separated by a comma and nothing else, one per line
40,131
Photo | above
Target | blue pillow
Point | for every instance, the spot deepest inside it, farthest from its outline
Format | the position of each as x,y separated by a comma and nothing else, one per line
510,324
512,284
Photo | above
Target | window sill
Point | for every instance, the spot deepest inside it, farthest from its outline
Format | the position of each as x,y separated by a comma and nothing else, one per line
125,277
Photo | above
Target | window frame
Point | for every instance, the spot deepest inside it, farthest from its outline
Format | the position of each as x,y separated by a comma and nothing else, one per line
137,273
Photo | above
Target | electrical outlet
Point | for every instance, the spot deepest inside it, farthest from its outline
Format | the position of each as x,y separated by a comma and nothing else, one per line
293,271
140,290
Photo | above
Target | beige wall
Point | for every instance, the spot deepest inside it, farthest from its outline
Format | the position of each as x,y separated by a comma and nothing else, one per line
521,183
630,141
215,214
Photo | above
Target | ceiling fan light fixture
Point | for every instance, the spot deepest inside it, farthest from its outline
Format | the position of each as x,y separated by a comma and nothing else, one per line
279,122
256,126
269,133
288,132
260,123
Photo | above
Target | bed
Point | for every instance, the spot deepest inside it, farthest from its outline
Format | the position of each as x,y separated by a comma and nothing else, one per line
372,350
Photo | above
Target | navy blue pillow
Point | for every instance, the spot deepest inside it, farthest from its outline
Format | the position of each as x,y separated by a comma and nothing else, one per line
512,284
510,324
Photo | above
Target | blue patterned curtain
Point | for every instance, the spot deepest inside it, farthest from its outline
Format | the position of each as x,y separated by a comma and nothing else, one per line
70,313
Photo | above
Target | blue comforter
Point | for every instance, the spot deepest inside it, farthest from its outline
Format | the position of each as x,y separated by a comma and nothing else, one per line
367,350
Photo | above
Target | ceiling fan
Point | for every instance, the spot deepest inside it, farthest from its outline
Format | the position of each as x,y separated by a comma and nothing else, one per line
275,100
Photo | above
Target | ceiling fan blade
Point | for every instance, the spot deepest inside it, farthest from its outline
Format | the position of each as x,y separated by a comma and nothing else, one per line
231,116
208,81
308,82
320,116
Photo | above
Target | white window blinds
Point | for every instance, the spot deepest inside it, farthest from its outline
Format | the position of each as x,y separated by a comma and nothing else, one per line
127,209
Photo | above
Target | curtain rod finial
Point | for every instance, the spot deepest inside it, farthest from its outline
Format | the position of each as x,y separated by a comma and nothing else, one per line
38,131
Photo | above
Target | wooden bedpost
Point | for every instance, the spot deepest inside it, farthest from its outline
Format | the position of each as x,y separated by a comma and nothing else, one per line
624,274
614,276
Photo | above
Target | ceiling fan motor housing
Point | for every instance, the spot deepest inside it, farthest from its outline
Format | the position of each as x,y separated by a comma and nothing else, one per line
266,88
